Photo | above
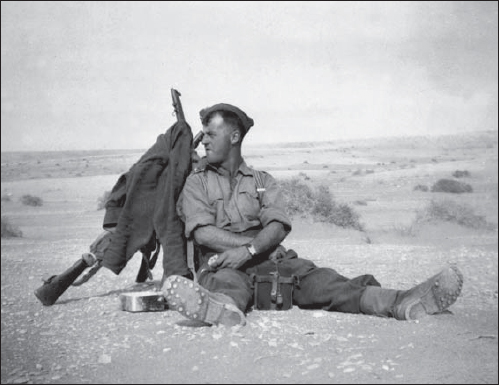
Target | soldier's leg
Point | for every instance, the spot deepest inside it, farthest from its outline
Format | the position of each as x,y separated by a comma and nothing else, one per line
324,288
430,297
220,297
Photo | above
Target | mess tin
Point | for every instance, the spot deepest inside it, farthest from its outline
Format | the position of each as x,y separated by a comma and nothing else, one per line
143,301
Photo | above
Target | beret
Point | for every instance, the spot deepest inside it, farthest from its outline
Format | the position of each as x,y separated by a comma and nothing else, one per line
245,119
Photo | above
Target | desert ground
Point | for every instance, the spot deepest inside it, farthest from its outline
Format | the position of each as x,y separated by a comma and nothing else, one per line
86,337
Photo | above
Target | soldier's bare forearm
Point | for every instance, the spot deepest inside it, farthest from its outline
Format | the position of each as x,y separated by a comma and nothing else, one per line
221,240
269,237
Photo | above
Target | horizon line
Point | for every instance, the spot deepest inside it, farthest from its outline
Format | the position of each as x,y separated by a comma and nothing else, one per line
290,143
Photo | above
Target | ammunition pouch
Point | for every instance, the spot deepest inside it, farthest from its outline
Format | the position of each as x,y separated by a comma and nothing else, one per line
272,291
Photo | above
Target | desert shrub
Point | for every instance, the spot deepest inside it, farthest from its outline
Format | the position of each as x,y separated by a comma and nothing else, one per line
6,198
344,216
451,186
421,187
298,197
101,201
461,174
406,230
450,211
304,176
301,199
31,200
9,230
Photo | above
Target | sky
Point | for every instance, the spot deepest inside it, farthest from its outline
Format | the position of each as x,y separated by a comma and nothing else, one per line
97,75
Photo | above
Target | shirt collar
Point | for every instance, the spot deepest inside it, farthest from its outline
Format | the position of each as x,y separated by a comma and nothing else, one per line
243,169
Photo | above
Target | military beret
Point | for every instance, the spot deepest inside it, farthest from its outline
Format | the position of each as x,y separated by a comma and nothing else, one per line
245,119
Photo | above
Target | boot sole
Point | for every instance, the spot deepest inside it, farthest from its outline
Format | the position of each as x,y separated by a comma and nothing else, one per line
196,303
443,291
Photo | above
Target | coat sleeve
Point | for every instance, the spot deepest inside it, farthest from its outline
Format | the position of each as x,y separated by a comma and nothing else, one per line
115,202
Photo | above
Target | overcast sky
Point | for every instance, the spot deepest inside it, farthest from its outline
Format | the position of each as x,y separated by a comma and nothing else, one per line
97,75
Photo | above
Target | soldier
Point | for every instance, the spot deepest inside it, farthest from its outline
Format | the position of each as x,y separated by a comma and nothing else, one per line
237,233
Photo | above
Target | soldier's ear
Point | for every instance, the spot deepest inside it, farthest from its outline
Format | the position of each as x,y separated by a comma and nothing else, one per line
235,137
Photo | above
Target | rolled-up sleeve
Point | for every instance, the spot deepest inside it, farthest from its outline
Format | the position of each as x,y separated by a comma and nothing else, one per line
193,206
273,208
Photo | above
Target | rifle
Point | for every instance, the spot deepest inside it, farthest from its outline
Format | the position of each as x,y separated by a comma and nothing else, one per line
148,262
56,285
177,108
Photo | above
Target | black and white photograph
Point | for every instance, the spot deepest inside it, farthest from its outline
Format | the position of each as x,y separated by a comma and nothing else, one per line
249,192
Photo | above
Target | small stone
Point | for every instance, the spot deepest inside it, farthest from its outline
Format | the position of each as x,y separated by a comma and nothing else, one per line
104,359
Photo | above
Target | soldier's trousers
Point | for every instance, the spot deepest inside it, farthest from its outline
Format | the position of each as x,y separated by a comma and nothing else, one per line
318,287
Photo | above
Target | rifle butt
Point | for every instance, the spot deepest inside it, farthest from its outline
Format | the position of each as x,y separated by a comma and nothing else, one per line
56,285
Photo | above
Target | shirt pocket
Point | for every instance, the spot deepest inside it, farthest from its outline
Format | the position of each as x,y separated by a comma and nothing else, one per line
248,202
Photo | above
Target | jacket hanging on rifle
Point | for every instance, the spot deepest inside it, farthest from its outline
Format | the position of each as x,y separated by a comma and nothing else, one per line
142,204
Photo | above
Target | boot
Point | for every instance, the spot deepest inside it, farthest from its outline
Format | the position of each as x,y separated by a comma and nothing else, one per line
195,302
430,297
189,276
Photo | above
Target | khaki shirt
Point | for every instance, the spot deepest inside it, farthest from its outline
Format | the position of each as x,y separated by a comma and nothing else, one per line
210,198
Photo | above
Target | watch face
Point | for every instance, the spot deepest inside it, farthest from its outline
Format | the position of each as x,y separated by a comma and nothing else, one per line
251,249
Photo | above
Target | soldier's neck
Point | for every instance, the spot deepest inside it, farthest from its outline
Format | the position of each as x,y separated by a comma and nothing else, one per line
232,164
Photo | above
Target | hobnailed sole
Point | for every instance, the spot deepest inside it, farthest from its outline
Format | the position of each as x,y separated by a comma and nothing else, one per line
196,303
443,291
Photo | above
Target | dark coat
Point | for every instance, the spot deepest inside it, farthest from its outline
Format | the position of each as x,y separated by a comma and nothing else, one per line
142,204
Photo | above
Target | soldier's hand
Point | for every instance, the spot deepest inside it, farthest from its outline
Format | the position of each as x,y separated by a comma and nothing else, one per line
233,258
278,253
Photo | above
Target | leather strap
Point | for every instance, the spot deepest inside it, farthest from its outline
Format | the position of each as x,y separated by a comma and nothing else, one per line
190,258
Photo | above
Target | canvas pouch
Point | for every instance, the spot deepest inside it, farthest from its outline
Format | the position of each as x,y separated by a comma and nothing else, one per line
273,292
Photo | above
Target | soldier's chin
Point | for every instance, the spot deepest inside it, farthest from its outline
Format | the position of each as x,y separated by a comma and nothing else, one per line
212,159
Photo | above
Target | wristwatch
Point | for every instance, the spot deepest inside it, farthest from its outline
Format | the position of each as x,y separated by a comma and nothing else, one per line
251,249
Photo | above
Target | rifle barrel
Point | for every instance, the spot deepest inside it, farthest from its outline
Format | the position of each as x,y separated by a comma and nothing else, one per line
177,106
